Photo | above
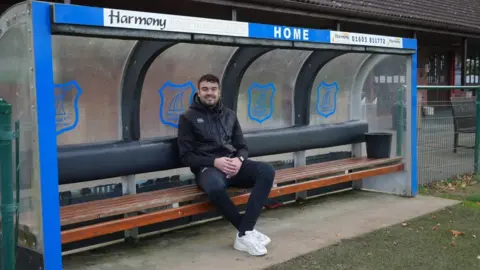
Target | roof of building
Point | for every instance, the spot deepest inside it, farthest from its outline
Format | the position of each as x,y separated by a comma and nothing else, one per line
453,15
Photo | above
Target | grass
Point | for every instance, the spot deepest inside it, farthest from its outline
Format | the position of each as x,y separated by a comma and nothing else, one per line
447,239
463,188
427,242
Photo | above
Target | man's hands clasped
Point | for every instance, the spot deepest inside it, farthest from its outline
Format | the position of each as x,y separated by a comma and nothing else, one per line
230,166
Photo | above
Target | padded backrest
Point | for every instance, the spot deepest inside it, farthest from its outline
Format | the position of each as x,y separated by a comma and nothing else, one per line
91,162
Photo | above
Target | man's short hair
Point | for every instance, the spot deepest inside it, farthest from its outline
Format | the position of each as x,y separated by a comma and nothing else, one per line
208,78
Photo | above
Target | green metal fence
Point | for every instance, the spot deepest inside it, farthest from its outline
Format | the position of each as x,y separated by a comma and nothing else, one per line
448,144
9,194
6,178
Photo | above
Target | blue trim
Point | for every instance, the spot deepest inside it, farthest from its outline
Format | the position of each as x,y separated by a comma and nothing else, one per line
413,134
47,139
94,16
75,105
79,15
323,84
257,30
409,43
264,87
162,99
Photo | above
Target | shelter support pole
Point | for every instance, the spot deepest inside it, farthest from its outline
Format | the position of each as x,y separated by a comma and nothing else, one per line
234,14
400,123
357,151
129,186
299,160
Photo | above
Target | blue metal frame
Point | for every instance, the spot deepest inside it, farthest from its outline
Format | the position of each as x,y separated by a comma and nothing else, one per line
413,133
47,138
90,16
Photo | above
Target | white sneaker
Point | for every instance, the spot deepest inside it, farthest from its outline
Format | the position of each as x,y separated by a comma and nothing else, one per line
249,244
262,238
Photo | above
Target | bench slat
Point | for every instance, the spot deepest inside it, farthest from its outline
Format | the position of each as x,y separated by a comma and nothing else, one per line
76,213
109,227
324,168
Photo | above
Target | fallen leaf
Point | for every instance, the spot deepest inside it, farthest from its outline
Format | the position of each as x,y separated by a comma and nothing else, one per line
456,233
478,257
435,228
453,244
474,236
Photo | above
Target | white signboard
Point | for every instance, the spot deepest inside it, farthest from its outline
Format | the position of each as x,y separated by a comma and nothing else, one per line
365,40
172,23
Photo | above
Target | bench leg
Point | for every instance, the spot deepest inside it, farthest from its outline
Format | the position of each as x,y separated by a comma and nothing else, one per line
129,185
455,142
357,151
300,159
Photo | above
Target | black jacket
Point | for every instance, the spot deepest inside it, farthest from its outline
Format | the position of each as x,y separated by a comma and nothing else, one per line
208,133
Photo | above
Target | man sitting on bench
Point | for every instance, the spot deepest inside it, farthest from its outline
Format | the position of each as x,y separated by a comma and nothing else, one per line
211,143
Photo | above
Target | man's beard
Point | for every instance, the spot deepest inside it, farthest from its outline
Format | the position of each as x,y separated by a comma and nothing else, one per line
212,104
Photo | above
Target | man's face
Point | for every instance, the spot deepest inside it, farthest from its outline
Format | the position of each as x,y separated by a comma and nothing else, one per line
209,93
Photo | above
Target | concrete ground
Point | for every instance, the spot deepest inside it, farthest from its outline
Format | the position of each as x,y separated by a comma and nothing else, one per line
295,230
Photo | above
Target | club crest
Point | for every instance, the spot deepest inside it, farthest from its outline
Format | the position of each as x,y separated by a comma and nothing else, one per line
261,101
66,106
327,99
174,100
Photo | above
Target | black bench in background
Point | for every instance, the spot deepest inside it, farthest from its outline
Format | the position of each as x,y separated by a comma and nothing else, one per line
464,118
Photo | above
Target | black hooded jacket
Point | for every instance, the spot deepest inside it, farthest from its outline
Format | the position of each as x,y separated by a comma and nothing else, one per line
207,133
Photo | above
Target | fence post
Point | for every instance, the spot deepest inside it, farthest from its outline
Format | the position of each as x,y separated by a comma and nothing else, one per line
17,182
7,203
477,131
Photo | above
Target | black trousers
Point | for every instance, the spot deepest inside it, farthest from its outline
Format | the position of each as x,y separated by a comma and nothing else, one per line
253,174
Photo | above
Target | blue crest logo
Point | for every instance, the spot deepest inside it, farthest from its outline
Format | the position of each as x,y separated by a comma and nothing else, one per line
327,99
66,106
174,100
260,101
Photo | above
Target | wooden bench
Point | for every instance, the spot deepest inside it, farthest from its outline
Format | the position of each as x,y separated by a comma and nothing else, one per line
464,118
312,176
